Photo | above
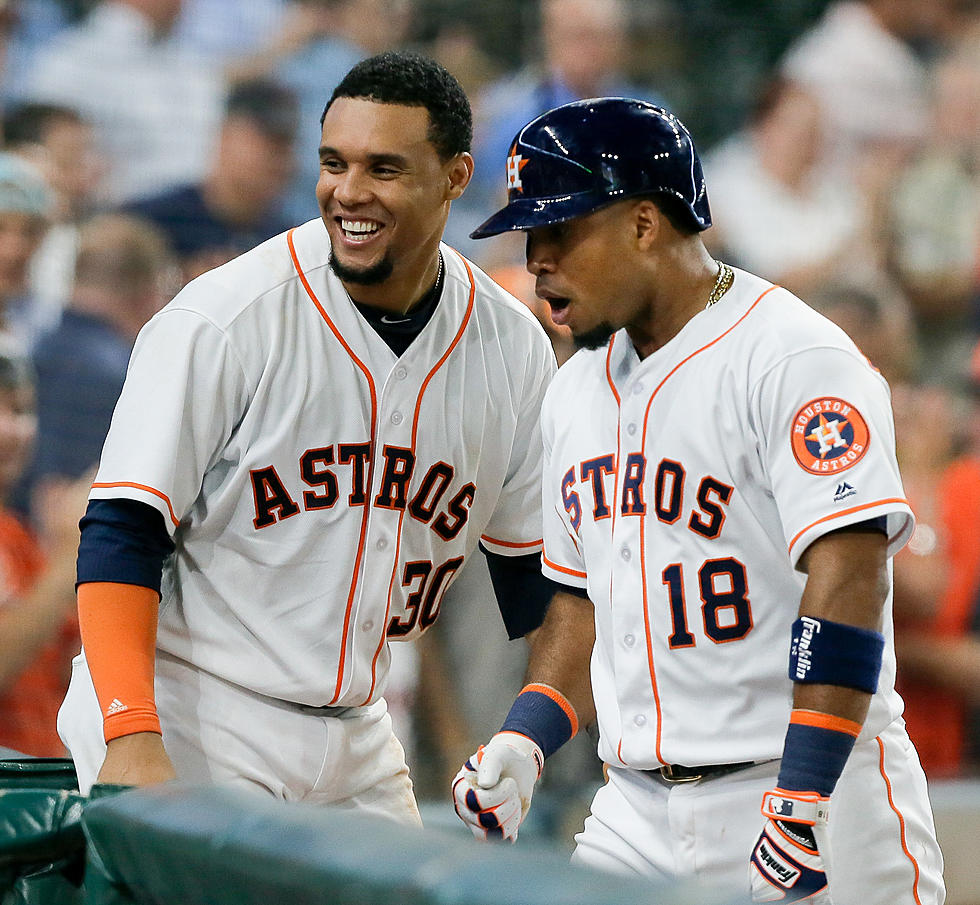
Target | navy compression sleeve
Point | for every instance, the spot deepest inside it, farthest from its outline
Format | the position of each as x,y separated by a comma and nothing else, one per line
123,541
522,592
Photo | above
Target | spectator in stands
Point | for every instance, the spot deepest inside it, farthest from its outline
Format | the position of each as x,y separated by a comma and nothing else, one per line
861,60
775,211
934,222
235,207
26,26
457,45
877,320
319,41
26,206
225,29
38,629
866,60
937,575
61,144
583,53
124,274
937,579
155,105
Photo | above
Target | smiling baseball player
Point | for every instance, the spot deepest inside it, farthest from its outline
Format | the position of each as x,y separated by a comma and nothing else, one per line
311,441
724,496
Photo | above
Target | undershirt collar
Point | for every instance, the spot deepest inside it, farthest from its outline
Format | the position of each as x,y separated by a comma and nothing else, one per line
399,330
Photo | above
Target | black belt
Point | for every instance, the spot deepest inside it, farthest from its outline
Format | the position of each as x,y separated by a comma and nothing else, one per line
336,712
678,773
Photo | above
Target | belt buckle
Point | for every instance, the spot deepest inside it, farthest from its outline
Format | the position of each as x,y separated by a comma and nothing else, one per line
668,772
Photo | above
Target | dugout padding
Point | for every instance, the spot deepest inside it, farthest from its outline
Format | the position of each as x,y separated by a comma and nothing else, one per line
42,847
216,846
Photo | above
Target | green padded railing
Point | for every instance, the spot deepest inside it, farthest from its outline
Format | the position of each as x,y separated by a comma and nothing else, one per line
190,845
42,847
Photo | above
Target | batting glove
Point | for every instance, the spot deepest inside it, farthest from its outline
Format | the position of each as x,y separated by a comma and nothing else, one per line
492,792
786,864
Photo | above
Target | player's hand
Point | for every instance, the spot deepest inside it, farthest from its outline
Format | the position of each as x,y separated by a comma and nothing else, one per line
786,864
492,792
136,760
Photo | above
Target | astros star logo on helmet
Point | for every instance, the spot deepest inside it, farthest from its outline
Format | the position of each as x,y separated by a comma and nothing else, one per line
515,163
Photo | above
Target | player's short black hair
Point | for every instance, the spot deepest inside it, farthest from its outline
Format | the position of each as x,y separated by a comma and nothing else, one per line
412,80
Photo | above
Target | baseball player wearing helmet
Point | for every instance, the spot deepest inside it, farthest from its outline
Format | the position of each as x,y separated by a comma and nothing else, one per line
311,441
721,491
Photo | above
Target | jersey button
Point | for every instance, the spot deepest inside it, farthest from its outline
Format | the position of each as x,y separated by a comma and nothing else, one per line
626,554
396,418
631,429
368,625
381,544
401,373
640,719
637,389
629,640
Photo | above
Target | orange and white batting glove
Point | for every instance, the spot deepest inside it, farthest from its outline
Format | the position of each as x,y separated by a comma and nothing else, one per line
786,864
492,792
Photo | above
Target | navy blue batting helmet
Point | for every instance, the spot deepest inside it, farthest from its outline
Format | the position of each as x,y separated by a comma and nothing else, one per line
585,155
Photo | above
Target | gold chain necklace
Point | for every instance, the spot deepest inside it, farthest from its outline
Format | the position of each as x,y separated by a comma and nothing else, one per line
723,283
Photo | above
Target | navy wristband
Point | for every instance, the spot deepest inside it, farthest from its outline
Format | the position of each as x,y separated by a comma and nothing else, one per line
544,716
813,758
831,653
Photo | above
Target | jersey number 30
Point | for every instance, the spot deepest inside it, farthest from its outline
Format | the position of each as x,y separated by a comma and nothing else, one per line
425,598
725,606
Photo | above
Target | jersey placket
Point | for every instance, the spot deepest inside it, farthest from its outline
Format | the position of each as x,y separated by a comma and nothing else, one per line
399,415
631,642
379,578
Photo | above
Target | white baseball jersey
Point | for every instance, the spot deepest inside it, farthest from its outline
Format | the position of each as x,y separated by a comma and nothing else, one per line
322,493
681,490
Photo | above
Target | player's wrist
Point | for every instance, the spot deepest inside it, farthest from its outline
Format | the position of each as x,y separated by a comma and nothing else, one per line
815,751
817,745
131,722
543,715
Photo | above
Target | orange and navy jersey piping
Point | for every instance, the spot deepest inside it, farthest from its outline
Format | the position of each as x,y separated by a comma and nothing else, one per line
102,485
643,565
372,389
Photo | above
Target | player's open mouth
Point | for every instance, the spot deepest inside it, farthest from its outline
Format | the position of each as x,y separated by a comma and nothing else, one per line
358,231
558,307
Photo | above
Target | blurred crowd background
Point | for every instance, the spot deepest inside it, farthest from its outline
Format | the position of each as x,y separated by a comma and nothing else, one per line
145,141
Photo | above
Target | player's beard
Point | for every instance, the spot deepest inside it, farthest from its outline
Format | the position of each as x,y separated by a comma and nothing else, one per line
362,276
595,338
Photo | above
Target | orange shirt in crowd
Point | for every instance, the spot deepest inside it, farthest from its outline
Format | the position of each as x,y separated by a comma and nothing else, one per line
936,718
29,707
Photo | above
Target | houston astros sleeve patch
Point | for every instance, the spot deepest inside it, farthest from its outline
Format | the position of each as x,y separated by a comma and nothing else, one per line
829,435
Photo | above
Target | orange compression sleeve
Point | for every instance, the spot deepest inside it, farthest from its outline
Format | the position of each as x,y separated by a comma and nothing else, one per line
118,623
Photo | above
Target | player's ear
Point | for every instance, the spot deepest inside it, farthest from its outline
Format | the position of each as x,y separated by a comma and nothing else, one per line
646,222
459,173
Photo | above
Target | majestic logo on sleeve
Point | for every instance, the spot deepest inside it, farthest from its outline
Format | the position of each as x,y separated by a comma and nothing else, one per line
829,435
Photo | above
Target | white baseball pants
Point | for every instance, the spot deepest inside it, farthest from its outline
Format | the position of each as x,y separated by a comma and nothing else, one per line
217,732
879,847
